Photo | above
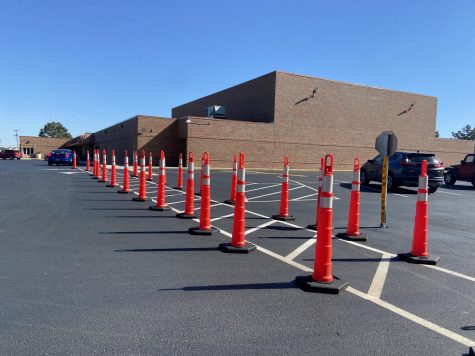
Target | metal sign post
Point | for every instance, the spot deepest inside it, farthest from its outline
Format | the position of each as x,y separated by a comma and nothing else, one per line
386,145
384,191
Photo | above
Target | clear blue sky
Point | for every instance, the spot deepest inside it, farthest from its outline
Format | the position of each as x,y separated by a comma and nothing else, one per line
92,63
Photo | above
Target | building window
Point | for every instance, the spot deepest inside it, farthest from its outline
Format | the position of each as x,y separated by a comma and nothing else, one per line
28,151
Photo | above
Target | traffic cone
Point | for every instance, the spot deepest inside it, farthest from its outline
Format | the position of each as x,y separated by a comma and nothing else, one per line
150,172
353,230
232,197
88,161
125,186
104,167
189,212
284,196
74,160
238,242
161,186
135,171
471,352
322,279
179,184
113,181
319,190
419,253
95,174
142,184
204,227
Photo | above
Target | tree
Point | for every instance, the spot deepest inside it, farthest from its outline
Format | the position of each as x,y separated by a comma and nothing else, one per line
466,133
55,130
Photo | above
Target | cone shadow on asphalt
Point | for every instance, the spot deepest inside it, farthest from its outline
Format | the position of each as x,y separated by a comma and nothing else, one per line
184,249
141,232
392,259
250,286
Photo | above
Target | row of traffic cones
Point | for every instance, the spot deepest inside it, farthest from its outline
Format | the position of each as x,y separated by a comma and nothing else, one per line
322,279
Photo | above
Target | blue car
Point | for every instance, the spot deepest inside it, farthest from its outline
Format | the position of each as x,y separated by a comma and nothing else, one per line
61,157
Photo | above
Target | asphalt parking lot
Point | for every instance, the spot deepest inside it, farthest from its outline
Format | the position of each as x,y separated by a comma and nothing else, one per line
85,270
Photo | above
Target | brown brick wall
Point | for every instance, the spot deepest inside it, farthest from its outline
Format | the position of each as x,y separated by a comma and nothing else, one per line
249,101
43,145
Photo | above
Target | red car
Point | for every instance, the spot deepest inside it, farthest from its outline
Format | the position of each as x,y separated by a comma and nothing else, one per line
464,171
10,154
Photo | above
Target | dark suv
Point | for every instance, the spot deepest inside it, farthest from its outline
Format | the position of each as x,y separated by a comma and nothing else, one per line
10,154
464,171
404,169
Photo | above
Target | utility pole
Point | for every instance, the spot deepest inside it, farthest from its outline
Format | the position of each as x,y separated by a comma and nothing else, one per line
16,135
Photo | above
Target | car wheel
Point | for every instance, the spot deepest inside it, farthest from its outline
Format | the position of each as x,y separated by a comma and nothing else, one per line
473,180
449,178
432,189
391,186
364,177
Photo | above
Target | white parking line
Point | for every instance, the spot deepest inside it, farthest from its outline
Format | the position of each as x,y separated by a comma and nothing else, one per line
274,193
250,231
270,186
301,248
379,278
441,191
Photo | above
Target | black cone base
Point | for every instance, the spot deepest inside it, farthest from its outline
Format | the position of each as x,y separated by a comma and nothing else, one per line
230,202
283,217
178,188
134,176
228,248
149,180
345,236
139,199
111,185
471,352
307,284
407,257
198,231
159,208
198,194
312,227
123,192
93,177
185,216
102,181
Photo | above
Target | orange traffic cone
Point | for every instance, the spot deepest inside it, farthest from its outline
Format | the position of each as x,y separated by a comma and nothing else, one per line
135,162
238,242
113,181
319,190
205,210
232,198
189,212
95,174
150,167
322,279
74,160
284,196
142,184
419,253
160,206
353,230
88,161
126,185
104,167
179,184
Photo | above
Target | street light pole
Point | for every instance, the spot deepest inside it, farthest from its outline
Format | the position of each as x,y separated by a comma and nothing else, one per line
16,135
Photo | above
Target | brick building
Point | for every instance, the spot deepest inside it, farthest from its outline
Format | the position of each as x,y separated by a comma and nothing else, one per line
286,114
30,146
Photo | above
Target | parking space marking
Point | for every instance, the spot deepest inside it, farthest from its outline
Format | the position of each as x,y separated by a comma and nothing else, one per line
401,312
254,229
222,217
270,186
301,248
379,278
311,188
274,193
457,274
416,319
441,191
305,196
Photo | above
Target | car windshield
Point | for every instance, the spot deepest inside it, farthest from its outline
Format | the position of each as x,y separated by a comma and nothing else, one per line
419,157
60,151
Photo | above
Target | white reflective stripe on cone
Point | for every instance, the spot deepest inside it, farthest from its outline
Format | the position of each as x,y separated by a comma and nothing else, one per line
326,202
104,157
327,184
241,174
126,161
113,160
142,163
206,181
180,162
162,163
355,187
423,182
191,170
356,176
422,196
235,166
241,188
206,170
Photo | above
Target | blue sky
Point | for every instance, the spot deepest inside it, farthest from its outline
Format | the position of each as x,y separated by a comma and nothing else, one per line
92,63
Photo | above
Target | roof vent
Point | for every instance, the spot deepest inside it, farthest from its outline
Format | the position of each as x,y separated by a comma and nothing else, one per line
216,111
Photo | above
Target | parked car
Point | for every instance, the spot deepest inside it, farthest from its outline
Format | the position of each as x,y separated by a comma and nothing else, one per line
404,169
10,154
62,156
464,171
